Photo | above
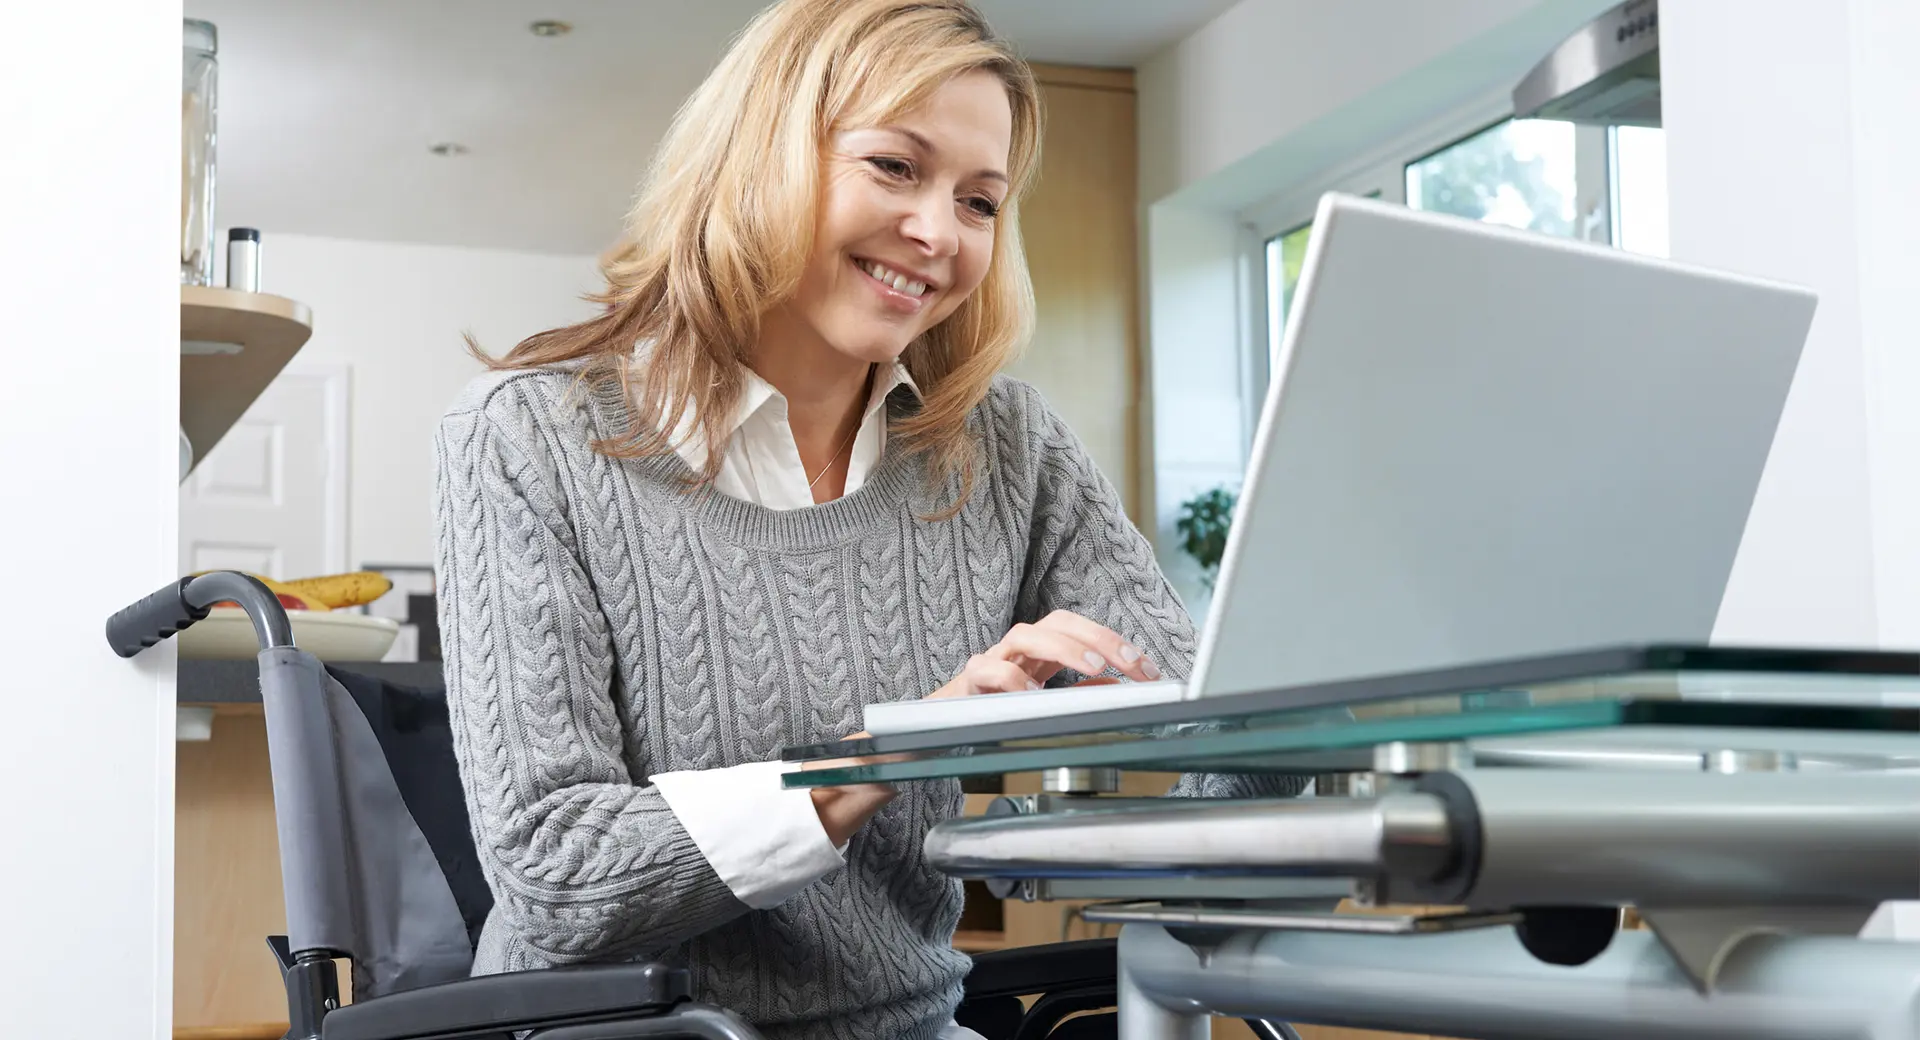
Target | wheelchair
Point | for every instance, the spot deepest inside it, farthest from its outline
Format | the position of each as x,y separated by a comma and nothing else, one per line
378,868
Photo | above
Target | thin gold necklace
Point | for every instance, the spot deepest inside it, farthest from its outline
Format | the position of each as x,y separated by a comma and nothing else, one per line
844,445
835,457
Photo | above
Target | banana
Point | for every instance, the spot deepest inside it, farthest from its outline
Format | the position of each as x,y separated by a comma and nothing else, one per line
272,585
341,590
290,598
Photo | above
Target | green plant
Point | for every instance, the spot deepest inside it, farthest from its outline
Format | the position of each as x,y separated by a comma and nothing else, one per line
1203,523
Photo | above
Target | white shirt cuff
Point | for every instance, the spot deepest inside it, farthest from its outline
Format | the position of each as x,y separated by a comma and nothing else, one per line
766,842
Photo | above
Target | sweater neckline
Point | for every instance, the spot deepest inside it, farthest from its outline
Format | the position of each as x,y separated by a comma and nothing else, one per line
889,489
885,494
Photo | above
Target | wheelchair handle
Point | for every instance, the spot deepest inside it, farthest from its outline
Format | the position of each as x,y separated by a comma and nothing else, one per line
175,607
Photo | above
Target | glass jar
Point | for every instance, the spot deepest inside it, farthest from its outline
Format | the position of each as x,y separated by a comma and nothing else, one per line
198,82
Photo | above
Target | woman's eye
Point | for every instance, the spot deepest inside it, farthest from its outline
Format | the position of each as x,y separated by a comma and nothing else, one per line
892,167
984,207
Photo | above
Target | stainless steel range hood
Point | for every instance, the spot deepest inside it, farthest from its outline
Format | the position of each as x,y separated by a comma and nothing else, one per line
1608,73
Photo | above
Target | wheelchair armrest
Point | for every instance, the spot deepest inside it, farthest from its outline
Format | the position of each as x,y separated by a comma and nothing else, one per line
513,1001
1026,970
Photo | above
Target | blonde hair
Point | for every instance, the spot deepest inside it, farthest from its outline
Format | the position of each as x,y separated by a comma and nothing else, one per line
723,226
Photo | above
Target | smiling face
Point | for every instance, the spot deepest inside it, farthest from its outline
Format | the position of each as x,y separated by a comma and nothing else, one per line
906,224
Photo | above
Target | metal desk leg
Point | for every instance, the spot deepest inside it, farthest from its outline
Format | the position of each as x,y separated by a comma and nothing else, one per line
1483,985
1144,1018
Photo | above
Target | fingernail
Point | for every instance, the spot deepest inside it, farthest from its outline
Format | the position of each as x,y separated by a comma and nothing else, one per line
1150,670
1129,653
1031,685
1095,663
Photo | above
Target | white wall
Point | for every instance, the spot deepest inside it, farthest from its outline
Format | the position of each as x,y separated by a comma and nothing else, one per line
1789,145
394,314
1886,125
1199,438
1275,90
88,421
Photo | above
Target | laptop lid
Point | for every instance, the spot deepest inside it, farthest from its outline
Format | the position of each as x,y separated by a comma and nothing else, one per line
1482,443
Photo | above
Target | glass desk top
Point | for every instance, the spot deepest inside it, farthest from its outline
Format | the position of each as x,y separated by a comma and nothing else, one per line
1665,704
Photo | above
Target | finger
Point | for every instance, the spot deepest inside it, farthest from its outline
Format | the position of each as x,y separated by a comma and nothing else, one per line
1044,651
993,675
1118,652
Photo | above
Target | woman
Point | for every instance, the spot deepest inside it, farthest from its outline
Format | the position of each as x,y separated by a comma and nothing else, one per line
778,479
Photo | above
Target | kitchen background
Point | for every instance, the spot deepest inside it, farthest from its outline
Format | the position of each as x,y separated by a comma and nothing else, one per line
424,170
420,170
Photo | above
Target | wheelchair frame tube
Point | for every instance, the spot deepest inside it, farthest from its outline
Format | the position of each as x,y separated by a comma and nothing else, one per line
315,858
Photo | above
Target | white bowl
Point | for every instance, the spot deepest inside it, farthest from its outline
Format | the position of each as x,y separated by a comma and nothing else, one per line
227,635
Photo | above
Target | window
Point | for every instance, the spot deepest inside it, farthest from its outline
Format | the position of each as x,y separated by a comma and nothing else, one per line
1521,173
1598,184
1554,178
1285,255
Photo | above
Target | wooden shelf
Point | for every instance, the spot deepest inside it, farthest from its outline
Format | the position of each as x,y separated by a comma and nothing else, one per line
232,344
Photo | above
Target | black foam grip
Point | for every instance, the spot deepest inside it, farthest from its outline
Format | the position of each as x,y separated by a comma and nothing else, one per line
148,621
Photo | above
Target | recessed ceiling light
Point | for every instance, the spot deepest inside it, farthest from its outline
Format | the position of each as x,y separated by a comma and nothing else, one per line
448,148
547,27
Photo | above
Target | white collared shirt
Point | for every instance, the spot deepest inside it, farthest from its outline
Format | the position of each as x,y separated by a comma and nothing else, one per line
762,463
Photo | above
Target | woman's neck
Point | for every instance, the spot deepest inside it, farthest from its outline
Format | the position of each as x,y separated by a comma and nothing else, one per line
826,393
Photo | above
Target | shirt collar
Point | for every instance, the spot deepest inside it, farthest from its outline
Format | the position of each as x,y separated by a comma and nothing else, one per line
756,394
886,381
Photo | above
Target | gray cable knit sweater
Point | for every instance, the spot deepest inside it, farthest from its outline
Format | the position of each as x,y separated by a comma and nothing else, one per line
601,624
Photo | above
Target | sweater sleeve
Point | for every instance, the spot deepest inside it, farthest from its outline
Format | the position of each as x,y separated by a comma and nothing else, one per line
1088,558
585,861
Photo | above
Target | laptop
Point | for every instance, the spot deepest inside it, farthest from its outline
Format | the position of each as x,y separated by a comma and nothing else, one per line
1478,444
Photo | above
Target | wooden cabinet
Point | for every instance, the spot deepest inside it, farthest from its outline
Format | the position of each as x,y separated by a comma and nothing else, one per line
226,882
1079,229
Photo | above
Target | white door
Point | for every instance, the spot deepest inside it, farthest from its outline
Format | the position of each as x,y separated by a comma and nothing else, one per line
270,498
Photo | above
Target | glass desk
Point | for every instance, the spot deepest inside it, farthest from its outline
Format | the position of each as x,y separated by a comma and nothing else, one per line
1656,706
1784,756
1790,820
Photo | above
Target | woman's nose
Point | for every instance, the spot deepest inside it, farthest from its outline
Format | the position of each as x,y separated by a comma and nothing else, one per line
932,224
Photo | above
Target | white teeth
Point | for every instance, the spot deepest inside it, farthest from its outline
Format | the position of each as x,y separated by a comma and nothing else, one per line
897,281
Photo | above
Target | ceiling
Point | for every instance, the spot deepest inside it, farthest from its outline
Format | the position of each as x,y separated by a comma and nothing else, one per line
328,108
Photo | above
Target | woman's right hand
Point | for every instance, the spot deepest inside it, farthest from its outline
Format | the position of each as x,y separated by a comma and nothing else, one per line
1029,655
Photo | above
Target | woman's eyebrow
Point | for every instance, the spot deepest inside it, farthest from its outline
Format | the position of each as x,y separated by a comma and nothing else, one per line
927,146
